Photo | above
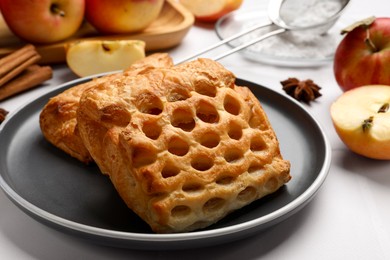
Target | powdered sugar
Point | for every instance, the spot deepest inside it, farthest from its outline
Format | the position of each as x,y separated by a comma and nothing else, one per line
294,45
299,44
308,12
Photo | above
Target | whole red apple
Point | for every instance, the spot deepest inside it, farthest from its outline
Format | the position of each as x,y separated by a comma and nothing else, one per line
122,16
363,56
43,21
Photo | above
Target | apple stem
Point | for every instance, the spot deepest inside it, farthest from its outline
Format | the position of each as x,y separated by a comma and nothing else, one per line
368,41
56,10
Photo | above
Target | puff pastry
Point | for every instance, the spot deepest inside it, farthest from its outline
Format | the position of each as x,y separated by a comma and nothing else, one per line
183,146
58,118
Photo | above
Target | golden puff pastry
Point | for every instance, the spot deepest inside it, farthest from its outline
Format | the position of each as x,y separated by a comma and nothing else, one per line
58,118
183,146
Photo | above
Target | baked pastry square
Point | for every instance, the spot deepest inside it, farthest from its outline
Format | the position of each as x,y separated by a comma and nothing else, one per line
183,146
58,118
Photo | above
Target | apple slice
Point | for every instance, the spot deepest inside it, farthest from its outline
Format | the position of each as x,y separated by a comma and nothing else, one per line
210,11
361,117
90,57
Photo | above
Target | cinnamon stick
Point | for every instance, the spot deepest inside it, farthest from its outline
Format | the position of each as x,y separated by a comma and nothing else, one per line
31,77
14,63
18,69
12,59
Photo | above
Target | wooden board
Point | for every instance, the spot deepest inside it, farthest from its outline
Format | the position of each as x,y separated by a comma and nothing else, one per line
166,31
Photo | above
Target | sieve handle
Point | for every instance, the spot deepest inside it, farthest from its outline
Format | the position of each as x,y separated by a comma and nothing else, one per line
233,37
256,40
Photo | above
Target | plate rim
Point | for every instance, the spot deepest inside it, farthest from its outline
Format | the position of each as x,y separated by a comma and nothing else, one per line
50,218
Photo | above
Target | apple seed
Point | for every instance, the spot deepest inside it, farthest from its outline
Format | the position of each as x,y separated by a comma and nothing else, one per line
106,47
384,108
367,123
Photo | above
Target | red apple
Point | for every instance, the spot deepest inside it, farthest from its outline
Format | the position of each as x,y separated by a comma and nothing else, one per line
361,118
211,11
122,16
43,21
363,56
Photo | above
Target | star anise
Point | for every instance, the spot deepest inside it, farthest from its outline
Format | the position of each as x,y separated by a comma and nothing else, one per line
3,114
305,90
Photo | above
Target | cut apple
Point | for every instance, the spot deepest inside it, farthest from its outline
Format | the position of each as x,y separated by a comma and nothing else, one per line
361,117
210,11
90,57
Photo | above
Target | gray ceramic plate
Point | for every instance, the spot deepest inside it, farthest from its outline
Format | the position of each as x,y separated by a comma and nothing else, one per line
74,198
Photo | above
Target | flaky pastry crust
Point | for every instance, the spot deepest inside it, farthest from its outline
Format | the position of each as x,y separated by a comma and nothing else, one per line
58,118
183,146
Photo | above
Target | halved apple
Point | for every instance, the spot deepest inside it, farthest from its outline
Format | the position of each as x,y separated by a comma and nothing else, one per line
361,117
210,11
90,57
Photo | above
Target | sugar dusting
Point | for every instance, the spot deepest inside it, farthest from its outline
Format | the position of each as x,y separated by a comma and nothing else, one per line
298,44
